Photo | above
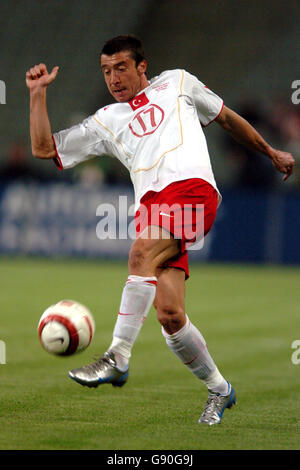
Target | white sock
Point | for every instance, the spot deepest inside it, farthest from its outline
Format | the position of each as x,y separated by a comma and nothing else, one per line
189,346
137,298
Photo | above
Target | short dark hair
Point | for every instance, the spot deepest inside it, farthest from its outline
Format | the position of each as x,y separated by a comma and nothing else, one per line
125,43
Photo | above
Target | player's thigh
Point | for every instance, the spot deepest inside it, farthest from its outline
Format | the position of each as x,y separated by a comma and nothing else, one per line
152,248
169,300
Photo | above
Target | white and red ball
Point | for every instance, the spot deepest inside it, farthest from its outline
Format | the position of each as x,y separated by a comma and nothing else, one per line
66,328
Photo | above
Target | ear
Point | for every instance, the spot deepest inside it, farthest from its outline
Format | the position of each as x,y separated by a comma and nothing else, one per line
142,67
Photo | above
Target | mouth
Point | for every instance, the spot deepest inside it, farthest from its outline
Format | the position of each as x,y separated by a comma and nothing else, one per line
119,92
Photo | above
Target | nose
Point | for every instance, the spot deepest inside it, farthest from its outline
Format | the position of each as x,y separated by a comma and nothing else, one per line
114,78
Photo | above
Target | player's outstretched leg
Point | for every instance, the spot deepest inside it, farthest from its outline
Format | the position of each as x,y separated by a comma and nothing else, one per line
113,366
147,252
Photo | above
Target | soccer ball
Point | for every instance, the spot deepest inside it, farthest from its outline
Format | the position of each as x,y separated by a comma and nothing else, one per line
66,328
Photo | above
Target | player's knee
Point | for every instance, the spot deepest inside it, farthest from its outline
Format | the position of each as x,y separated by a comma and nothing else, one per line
171,318
138,255
136,259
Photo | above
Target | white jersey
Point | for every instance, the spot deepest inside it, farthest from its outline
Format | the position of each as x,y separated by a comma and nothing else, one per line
157,135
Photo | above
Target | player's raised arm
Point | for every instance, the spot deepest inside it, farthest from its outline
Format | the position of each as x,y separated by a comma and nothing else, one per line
37,80
244,133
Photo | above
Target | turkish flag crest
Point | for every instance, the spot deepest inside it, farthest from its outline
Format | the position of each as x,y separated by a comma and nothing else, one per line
138,101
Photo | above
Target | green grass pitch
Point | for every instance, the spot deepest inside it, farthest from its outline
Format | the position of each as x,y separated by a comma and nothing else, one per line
249,316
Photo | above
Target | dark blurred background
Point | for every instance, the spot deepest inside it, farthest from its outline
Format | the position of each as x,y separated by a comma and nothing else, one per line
247,52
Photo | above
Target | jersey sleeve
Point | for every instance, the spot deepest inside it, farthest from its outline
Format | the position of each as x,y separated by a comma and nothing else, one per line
79,143
208,104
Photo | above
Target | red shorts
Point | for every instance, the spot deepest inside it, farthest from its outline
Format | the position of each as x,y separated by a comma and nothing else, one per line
186,209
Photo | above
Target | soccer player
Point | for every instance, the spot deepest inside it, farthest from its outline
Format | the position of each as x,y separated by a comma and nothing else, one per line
155,130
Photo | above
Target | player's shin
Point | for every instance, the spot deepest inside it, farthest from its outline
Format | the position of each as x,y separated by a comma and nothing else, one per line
189,346
137,298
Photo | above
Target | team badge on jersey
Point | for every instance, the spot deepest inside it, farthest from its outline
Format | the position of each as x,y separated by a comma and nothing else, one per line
138,101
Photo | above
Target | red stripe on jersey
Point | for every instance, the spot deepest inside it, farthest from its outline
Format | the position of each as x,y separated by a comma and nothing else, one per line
57,159
205,125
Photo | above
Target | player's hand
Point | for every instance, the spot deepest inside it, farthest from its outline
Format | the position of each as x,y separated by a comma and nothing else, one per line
38,76
283,162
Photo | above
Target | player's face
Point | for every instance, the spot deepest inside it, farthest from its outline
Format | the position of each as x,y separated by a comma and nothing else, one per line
123,78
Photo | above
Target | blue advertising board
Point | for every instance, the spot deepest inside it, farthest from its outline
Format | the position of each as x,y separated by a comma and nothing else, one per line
71,220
